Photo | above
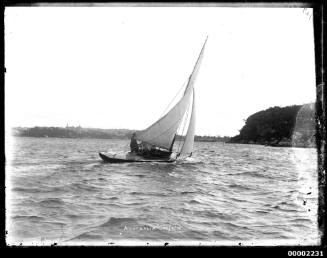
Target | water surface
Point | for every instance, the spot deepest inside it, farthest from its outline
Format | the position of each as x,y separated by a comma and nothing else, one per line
59,191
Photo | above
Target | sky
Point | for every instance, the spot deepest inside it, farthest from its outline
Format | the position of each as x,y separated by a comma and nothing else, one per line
119,67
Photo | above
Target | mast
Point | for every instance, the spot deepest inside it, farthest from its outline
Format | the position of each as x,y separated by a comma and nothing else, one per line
163,132
191,81
196,67
189,138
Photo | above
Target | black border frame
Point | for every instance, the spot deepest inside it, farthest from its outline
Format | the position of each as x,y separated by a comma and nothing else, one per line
319,34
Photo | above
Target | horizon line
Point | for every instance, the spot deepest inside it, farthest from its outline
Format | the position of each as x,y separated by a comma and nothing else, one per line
67,126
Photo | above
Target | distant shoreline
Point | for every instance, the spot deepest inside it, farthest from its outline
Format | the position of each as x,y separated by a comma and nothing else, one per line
93,133
265,145
63,137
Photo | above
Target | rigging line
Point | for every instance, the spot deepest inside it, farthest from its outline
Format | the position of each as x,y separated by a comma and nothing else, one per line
188,79
197,62
174,97
158,121
178,121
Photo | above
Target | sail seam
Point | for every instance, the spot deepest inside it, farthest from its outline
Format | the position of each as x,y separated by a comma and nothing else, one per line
158,122
165,131
187,113
191,118
162,132
174,97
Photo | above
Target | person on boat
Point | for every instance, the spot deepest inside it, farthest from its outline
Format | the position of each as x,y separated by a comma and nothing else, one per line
146,148
133,145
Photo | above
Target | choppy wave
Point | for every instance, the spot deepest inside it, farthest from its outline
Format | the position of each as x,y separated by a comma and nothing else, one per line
113,221
28,217
52,202
224,192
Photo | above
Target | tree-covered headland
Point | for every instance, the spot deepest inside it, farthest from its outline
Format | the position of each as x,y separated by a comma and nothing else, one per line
280,126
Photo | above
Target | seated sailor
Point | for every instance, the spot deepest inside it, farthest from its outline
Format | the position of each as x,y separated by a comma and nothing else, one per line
133,145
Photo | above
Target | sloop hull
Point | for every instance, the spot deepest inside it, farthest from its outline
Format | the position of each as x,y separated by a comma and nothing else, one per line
131,157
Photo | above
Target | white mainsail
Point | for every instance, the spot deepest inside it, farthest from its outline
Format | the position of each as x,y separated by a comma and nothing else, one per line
163,131
189,138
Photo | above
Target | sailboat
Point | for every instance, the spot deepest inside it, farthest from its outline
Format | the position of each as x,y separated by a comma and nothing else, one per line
159,138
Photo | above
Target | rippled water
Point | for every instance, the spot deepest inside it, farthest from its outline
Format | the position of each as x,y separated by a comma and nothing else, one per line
59,191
